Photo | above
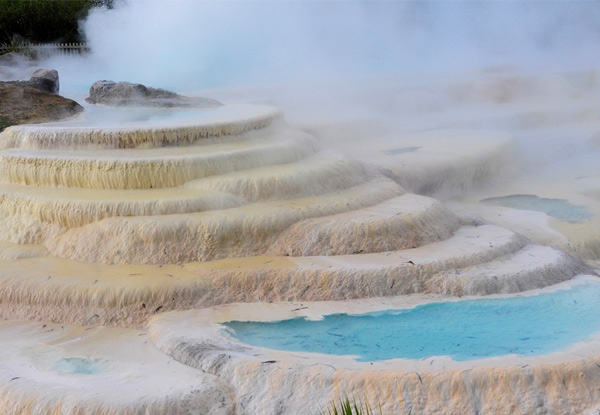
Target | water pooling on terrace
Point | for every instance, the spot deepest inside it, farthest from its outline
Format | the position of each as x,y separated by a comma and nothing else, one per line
77,366
462,330
558,208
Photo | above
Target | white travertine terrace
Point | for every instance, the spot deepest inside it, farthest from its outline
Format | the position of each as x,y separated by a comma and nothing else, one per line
81,293
572,177
146,168
449,161
52,369
74,207
115,222
308,177
271,381
207,126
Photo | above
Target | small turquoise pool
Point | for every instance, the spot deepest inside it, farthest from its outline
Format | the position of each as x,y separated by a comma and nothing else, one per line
463,330
77,366
558,208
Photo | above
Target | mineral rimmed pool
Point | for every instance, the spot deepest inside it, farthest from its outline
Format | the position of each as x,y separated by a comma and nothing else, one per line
77,366
462,330
558,208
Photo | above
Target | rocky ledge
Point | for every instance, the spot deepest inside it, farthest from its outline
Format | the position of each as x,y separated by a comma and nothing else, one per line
119,94
35,100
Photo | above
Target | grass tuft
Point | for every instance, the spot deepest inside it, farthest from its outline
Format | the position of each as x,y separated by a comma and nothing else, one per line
349,407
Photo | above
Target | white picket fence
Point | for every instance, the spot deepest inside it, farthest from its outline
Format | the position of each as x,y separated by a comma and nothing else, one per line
47,50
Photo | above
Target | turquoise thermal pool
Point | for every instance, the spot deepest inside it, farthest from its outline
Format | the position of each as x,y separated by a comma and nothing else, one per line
557,208
77,366
462,330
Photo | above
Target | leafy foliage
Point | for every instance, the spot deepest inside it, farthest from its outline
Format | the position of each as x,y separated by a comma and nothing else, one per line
4,122
16,44
44,20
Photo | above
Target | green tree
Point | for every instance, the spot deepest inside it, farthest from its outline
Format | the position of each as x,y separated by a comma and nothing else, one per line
43,20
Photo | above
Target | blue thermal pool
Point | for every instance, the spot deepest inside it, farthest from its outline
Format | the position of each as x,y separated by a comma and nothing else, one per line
77,366
463,330
557,208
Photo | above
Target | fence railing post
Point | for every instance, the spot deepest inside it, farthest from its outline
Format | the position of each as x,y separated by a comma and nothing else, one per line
46,50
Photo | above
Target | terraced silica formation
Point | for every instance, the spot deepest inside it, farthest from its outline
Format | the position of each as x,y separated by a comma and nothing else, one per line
230,187
234,182
559,382
105,227
48,370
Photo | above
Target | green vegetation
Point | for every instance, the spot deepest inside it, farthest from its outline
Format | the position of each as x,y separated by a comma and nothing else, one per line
41,21
16,44
345,407
4,122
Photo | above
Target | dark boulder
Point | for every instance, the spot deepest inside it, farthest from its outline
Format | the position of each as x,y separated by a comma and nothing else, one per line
45,80
21,103
138,95
42,79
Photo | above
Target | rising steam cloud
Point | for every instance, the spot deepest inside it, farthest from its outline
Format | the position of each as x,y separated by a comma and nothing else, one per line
200,44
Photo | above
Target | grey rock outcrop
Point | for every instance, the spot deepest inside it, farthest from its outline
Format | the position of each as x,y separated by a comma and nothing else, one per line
137,95
42,79
45,80
36,100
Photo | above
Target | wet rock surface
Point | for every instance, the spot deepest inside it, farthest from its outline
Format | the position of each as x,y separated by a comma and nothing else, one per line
35,100
137,95
45,80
